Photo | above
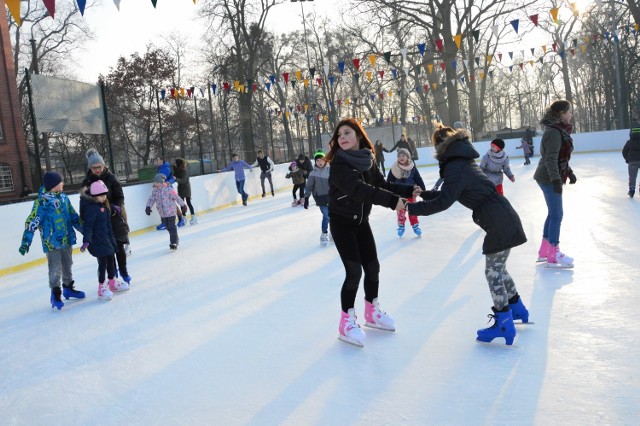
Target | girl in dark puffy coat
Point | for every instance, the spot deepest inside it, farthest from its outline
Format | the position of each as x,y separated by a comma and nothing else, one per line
181,174
355,184
631,154
98,237
465,182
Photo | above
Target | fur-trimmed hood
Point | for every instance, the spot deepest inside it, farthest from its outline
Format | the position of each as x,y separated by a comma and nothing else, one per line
456,145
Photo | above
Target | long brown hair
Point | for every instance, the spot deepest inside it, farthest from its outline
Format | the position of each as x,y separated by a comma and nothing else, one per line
557,108
363,139
441,134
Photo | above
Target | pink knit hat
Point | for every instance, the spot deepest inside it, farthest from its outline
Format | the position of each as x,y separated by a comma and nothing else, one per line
98,188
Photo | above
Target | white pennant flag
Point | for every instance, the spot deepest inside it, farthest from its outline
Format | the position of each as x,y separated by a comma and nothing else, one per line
465,62
281,84
496,30
406,71
326,70
344,79
117,3
404,52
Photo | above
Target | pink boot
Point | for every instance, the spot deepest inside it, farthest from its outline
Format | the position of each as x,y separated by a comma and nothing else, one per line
543,250
557,259
376,318
117,286
350,331
103,292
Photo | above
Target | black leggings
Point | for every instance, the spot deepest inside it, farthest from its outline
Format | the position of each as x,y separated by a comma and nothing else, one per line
106,263
191,209
296,187
121,257
357,250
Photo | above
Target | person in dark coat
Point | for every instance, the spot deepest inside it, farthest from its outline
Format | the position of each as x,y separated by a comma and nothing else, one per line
98,237
181,174
402,143
304,164
631,154
99,171
465,182
355,185
380,150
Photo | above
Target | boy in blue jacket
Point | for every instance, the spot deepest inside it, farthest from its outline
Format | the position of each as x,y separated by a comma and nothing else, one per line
55,217
238,167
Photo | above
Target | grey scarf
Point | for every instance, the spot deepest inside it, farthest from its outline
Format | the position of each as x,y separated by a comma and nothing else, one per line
361,159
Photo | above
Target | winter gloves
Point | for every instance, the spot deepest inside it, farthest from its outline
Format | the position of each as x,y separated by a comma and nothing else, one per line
24,249
557,186
572,177
148,211
84,246
117,210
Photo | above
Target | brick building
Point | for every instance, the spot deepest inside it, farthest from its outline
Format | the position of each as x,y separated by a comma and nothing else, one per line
14,161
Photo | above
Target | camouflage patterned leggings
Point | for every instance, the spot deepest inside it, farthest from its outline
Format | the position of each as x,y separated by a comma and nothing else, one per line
501,284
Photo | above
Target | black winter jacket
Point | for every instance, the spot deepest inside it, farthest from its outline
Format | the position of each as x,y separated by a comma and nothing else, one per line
352,193
465,182
115,197
631,150
184,185
97,227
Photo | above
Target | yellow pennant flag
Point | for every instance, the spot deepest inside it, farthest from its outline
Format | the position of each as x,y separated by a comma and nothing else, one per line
306,107
554,14
236,85
368,73
434,85
14,9
636,27
489,58
457,39
390,94
372,59
430,68
286,114
481,75
298,75
531,63
306,82
583,47
575,9
544,48
347,101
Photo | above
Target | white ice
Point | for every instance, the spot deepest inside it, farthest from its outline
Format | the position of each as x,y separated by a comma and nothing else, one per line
240,325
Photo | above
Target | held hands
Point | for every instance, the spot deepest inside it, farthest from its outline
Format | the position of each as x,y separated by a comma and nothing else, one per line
84,246
416,191
117,210
557,186
148,211
24,249
306,202
184,209
401,205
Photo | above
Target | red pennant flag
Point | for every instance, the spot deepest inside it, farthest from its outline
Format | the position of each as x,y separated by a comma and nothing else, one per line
554,46
381,72
356,63
472,77
319,81
173,92
381,95
339,102
51,7
189,92
499,57
286,77
299,108
254,87
534,19
440,45
426,87
443,65
573,52
521,65
226,86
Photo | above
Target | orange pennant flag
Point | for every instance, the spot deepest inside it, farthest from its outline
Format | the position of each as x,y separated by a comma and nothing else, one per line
298,75
481,75
489,58
14,9
372,59
430,68
544,48
583,47
457,39
347,101
554,14
368,73
434,85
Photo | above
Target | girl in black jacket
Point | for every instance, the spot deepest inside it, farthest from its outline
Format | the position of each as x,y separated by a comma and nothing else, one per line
355,184
465,182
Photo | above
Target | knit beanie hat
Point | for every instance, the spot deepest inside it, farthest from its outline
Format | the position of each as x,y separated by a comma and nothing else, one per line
98,188
50,180
300,157
93,157
318,154
499,143
159,178
179,162
458,125
404,151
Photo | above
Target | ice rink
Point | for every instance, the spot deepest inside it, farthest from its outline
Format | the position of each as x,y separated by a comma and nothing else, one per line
240,325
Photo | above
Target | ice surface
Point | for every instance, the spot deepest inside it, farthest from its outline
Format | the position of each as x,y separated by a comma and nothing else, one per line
240,325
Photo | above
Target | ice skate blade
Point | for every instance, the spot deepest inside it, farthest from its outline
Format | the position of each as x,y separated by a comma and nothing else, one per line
378,327
351,341
541,259
558,266
499,344
523,323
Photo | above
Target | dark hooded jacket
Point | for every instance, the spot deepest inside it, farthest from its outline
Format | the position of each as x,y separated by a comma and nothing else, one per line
115,197
353,193
631,149
465,182
97,227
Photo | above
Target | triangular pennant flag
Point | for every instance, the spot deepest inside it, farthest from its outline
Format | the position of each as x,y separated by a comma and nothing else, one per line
51,6
356,77
331,80
381,95
426,87
285,75
421,48
305,82
372,60
561,53
254,86
443,66
224,84
496,30
554,46
406,71
477,61
356,63
544,48
14,9
173,93
434,85
454,64
293,83
457,39
440,45
387,56
521,65
326,69
312,71
81,6
573,51
189,93
340,67
481,75
154,2
272,78
298,75
381,73
476,35
533,49
515,23
268,86
319,81
236,85
394,73
583,47
368,74
403,51
554,14
534,19
489,58
499,57
163,93
214,87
